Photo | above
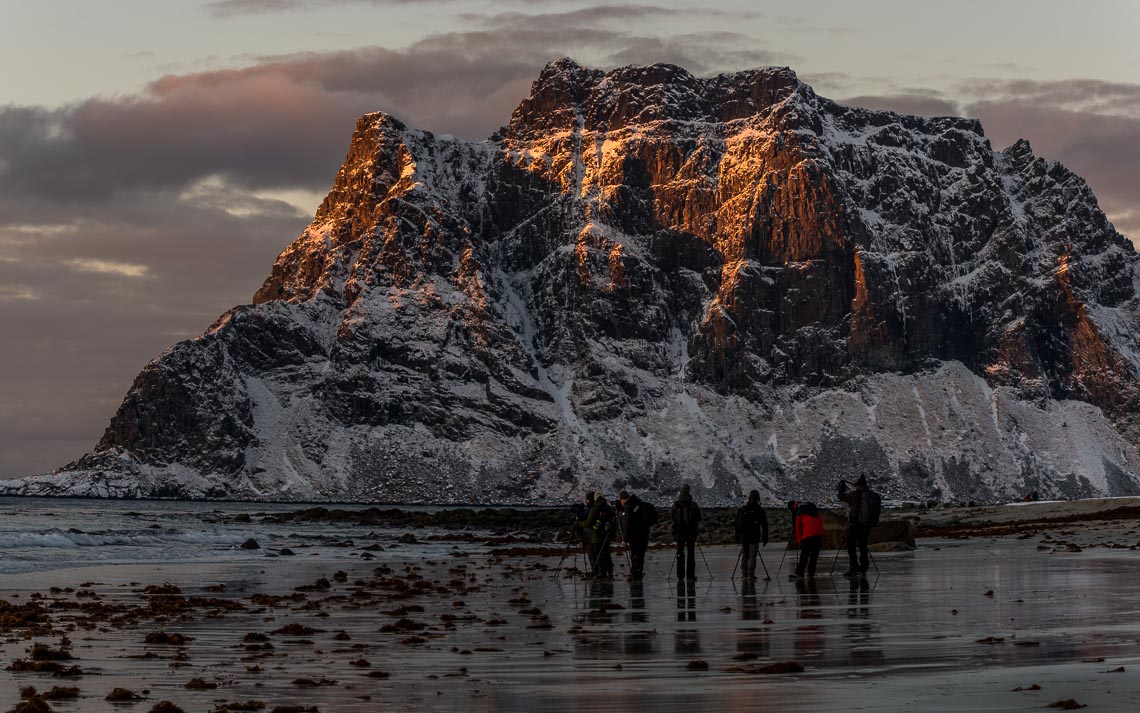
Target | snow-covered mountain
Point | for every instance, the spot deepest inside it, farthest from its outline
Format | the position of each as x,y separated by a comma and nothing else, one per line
650,278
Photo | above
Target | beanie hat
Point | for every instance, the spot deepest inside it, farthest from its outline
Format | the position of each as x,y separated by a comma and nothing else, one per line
684,488
623,495
861,481
791,504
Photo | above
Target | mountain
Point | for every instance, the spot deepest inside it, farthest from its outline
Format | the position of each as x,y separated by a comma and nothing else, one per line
648,278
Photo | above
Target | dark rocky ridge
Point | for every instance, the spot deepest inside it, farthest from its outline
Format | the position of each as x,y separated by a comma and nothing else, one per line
648,278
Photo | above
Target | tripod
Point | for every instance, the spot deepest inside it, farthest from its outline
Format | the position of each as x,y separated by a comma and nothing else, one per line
759,554
707,568
565,550
787,546
843,541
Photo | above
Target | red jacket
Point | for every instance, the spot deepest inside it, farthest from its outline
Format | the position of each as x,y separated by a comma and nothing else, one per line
809,522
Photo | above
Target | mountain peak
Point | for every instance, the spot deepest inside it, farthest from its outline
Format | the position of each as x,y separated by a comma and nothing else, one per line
633,287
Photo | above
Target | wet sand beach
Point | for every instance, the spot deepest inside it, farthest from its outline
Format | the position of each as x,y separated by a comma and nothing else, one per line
363,618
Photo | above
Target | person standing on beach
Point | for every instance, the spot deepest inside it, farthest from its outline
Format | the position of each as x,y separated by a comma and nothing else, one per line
582,511
863,508
686,524
637,518
601,525
807,525
751,532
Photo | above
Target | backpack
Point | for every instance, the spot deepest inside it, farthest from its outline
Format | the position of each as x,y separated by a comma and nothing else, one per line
874,508
683,520
605,518
807,509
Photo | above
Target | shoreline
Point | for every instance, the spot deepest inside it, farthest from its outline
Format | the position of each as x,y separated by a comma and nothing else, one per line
480,619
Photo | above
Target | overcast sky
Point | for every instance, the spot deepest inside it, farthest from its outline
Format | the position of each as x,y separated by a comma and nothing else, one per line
156,156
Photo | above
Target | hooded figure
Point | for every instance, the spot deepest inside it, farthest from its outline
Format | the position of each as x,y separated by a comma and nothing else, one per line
635,519
751,532
686,523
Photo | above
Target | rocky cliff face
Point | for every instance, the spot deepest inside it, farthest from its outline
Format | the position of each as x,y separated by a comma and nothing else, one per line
648,278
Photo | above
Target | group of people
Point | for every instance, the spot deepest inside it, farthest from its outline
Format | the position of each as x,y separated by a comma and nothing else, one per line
600,525
630,520
864,506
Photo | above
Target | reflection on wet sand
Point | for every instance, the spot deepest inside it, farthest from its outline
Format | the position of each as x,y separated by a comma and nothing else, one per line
862,631
686,640
471,630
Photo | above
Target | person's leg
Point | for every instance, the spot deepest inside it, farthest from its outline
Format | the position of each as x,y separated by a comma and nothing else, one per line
852,541
680,560
801,559
864,552
691,564
813,554
750,559
637,558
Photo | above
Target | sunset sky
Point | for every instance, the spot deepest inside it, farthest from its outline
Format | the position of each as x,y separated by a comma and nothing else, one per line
156,156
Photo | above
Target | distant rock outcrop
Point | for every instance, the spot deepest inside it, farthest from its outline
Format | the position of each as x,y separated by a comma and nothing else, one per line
650,278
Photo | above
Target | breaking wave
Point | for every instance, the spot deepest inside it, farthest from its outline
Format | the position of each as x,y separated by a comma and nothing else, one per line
69,539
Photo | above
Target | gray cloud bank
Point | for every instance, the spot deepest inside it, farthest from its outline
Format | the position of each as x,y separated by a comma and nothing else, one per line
128,223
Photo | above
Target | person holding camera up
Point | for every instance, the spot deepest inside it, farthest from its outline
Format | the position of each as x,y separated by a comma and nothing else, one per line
863,510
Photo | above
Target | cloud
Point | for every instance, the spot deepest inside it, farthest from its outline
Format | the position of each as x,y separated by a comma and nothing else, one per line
108,267
16,292
130,222
1087,95
230,8
86,303
919,103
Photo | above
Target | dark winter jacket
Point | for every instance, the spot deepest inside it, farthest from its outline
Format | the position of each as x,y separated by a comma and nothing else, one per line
751,525
686,518
635,520
858,503
600,522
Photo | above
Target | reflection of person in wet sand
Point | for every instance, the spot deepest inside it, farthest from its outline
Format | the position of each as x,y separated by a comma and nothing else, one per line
686,641
862,631
638,641
810,638
637,612
753,640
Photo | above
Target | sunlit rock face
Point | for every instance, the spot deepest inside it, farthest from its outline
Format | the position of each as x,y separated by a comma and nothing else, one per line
648,278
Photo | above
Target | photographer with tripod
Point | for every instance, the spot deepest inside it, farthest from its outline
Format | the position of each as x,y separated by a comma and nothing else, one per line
582,527
635,520
863,510
751,533
602,522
